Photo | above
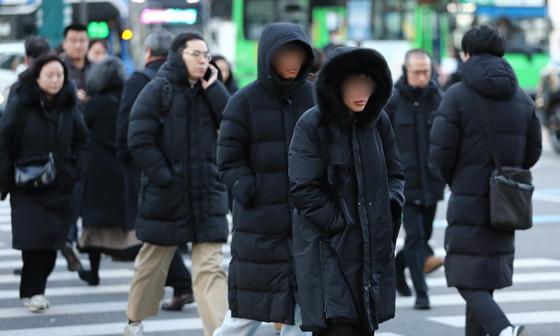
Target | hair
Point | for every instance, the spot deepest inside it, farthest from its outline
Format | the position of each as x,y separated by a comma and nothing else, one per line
158,42
75,27
415,52
180,42
484,39
105,75
36,46
30,76
318,60
102,41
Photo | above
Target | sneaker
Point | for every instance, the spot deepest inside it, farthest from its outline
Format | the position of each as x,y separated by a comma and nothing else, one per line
520,331
38,304
134,329
25,302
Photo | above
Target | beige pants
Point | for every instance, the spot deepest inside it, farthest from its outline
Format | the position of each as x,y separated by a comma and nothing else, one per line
209,282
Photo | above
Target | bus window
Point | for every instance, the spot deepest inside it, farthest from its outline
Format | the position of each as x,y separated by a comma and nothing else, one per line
259,13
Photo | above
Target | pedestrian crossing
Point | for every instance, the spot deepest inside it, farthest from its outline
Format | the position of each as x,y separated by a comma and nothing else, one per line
80,310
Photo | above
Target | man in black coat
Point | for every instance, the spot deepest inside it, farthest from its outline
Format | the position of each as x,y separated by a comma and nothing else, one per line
480,258
181,199
347,190
252,157
156,46
412,109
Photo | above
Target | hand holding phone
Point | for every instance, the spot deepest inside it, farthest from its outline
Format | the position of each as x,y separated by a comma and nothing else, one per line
210,77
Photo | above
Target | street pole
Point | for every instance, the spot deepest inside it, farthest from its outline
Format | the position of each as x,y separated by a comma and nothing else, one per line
83,12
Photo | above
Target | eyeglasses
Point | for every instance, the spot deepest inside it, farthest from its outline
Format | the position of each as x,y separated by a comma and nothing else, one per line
196,54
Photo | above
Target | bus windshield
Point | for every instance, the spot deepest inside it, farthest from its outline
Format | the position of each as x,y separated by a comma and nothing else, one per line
259,13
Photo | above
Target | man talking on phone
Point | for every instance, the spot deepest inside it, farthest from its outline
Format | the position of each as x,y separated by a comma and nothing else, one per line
172,138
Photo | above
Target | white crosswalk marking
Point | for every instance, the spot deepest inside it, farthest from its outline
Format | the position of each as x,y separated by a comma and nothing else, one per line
528,318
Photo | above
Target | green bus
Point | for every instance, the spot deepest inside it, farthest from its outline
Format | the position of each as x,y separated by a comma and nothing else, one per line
251,16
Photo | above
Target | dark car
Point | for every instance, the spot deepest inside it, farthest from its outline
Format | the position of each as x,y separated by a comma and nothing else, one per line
548,102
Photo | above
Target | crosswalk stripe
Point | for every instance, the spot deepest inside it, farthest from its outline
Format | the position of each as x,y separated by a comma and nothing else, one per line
108,328
501,297
12,264
528,318
68,309
9,253
65,276
72,291
518,278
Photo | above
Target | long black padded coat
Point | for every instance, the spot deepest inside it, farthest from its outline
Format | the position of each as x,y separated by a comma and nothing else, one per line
253,160
40,218
181,198
479,257
347,189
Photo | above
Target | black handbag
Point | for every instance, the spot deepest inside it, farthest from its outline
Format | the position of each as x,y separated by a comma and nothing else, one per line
511,189
37,172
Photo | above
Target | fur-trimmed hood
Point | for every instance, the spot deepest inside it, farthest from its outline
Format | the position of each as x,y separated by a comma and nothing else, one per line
105,76
347,61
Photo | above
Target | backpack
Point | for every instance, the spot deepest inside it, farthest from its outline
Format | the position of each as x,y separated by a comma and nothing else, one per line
166,90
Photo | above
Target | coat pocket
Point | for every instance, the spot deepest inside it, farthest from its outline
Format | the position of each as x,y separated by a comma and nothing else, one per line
164,203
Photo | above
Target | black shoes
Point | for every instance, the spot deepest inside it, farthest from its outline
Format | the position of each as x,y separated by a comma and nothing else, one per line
177,303
91,278
71,256
422,302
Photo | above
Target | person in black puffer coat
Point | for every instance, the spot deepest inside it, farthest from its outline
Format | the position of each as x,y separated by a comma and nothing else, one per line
182,198
412,109
42,118
347,190
479,258
252,157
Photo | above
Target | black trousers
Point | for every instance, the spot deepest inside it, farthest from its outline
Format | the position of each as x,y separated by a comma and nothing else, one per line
340,328
483,316
37,266
418,224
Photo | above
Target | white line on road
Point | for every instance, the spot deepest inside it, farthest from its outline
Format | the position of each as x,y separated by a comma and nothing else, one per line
518,278
546,197
68,309
528,318
72,291
12,264
108,328
501,297
66,276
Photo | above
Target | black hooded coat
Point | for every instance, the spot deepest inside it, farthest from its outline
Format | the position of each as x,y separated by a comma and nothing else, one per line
347,190
253,160
479,257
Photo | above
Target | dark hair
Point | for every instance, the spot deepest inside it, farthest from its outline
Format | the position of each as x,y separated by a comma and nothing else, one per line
30,76
36,46
484,39
415,52
102,41
75,27
180,42
318,61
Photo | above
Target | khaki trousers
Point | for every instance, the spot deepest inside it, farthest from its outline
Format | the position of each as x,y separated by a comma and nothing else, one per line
209,282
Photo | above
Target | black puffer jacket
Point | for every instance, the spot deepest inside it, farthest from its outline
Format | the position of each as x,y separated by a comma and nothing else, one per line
40,218
181,198
412,113
347,188
479,257
252,155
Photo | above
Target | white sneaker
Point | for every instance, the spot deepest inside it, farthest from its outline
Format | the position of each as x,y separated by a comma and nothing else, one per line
134,329
26,302
38,304
520,331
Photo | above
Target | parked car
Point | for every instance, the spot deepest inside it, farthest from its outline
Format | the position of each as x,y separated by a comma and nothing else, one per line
548,102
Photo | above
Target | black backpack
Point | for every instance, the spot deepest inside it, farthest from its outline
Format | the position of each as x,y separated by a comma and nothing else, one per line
166,90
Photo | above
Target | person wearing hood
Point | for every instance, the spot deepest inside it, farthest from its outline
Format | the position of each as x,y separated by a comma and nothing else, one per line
42,130
412,109
252,157
172,137
480,258
347,190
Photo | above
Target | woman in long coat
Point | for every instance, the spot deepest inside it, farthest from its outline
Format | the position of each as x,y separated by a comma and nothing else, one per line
41,120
